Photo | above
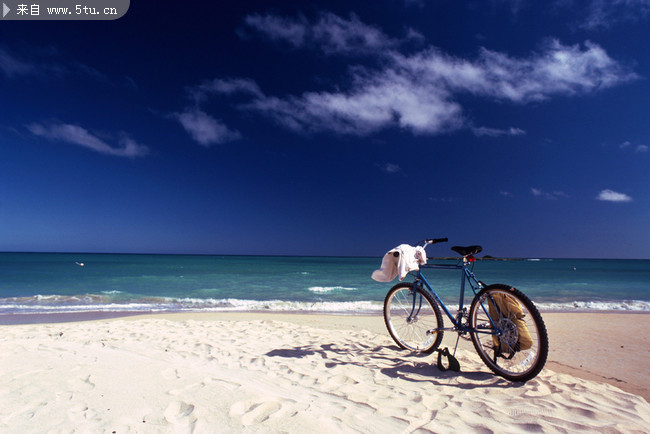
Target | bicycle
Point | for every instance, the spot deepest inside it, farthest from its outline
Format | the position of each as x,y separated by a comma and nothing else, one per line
504,325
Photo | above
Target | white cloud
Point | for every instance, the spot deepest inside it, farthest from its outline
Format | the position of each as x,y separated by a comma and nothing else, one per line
494,132
555,70
45,66
331,33
515,5
77,135
292,31
205,129
12,66
555,195
637,148
225,87
604,13
376,102
444,199
613,196
419,92
390,168
338,35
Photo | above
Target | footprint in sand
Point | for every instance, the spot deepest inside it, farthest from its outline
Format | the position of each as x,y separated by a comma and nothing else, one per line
80,412
253,413
335,382
179,413
192,388
82,383
228,385
170,374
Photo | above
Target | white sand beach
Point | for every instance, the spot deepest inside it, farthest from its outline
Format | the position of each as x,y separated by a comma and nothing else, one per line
240,372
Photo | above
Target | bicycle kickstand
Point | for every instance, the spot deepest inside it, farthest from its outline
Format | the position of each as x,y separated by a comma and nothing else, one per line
456,346
452,362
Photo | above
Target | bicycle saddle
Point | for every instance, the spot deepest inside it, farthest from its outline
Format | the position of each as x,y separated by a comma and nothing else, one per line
465,251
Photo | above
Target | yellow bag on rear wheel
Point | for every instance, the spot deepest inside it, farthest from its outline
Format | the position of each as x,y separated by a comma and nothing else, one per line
509,308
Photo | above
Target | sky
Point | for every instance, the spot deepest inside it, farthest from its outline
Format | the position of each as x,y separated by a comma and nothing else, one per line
338,128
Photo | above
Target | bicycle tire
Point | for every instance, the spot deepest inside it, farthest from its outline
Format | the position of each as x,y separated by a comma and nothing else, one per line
408,326
520,353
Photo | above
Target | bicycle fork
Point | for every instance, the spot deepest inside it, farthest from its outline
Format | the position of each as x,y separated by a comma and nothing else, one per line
417,303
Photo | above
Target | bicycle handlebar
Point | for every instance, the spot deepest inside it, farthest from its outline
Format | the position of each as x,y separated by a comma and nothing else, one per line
427,241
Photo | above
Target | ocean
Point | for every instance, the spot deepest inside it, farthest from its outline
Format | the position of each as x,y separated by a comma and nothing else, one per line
66,282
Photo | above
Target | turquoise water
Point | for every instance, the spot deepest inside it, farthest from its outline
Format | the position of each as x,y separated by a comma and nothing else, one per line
54,282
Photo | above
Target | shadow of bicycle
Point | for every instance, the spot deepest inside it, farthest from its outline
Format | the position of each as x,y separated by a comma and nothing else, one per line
395,363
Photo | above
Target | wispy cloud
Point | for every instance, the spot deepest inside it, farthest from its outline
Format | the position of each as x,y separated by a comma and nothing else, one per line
420,92
417,91
613,196
636,148
224,87
515,6
11,66
555,195
205,129
593,14
45,66
77,135
390,168
495,132
284,29
444,199
330,33
605,13
375,103
625,144
554,70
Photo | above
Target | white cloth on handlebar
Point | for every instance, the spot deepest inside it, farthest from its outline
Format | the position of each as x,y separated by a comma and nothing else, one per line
410,258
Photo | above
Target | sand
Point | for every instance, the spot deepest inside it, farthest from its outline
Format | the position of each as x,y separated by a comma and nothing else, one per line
310,373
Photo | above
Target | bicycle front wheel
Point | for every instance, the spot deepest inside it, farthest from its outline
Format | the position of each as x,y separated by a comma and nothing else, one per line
508,332
413,318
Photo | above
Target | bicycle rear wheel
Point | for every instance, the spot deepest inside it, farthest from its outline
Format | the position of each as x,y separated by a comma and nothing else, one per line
413,318
520,351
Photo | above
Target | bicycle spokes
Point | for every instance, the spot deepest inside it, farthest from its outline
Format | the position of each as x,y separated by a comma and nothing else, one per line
410,315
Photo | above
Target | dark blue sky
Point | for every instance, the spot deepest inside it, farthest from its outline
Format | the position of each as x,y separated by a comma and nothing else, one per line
330,128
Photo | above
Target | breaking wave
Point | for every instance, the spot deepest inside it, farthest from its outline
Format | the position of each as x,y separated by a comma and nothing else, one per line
109,303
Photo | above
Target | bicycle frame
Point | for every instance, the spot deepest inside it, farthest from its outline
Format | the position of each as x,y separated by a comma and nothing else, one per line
467,276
